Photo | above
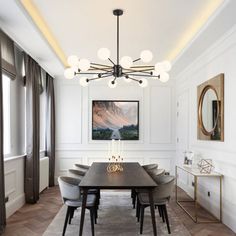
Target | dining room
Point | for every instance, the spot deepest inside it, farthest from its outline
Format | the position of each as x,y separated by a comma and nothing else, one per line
117,118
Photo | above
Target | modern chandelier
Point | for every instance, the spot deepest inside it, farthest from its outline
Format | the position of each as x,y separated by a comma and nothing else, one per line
123,68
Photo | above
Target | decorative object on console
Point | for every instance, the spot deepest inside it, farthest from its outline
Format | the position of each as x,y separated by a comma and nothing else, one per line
115,152
115,120
205,166
188,158
211,109
122,68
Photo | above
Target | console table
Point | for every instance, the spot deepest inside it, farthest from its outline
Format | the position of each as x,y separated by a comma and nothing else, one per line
196,174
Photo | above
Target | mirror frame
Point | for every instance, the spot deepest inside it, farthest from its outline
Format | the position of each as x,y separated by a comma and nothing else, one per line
217,85
200,105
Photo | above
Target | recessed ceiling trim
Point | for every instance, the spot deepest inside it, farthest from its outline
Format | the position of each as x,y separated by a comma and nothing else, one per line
185,42
196,28
44,29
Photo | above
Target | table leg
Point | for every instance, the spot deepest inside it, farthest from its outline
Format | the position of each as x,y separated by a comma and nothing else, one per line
152,208
85,192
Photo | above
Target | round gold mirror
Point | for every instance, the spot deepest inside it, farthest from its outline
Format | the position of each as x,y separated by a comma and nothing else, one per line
208,110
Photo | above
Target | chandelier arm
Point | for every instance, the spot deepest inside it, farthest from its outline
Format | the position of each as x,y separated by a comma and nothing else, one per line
97,64
142,66
151,76
141,71
138,71
111,61
90,73
134,79
103,69
138,59
103,76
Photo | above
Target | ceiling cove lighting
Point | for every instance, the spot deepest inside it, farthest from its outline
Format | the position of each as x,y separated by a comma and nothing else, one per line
123,68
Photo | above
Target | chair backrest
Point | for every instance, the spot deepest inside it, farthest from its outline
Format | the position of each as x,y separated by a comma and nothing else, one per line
81,166
157,172
150,166
78,174
69,188
165,187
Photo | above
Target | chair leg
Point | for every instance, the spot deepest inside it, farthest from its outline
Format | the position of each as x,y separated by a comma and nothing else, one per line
95,214
166,217
162,213
71,214
66,220
138,210
159,210
134,200
92,221
142,208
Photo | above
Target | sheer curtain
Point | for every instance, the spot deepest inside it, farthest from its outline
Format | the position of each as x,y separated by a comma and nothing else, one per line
32,78
50,127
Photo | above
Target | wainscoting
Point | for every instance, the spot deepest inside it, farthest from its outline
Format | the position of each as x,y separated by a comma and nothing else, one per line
14,184
218,59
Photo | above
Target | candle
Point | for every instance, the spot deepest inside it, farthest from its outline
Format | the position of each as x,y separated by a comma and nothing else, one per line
119,148
112,147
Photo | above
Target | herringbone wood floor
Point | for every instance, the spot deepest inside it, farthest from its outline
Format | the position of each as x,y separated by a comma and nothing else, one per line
33,220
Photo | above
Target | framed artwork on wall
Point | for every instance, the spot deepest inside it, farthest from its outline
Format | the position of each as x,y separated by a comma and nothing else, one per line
115,119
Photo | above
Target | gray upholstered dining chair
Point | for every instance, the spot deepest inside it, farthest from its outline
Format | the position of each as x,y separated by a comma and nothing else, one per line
161,196
78,174
153,173
151,169
72,198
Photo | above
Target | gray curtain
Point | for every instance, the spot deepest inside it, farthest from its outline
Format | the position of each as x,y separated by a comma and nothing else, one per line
2,184
50,127
8,56
32,75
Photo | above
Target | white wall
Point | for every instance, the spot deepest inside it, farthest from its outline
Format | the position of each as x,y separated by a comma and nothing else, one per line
73,132
220,58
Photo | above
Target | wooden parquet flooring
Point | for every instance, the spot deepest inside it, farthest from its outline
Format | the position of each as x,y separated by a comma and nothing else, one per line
33,220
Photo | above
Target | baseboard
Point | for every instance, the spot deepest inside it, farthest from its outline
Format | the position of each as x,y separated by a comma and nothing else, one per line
13,205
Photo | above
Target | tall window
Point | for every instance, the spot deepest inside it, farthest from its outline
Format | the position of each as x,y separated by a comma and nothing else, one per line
6,83
43,114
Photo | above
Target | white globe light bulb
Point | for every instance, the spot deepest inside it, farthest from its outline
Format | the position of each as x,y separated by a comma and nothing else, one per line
127,80
126,62
103,53
84,64
112,83
146,56
164,77
166,66
143,83
75,69
83,81
159,67
73,60
69,73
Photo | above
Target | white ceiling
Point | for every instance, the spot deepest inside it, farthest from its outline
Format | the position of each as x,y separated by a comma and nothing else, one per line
82,27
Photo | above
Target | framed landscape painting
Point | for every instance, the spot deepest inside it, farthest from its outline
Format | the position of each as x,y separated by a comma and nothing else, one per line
115,120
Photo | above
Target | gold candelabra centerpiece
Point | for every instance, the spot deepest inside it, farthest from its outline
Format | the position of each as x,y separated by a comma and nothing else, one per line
114,156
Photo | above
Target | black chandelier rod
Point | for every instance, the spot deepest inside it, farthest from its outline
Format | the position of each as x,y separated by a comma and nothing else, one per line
118,39
100,77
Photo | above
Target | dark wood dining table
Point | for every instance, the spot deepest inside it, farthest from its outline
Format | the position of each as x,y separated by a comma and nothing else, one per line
133,176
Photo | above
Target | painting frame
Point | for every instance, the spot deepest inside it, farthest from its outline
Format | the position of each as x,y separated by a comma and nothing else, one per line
117,101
